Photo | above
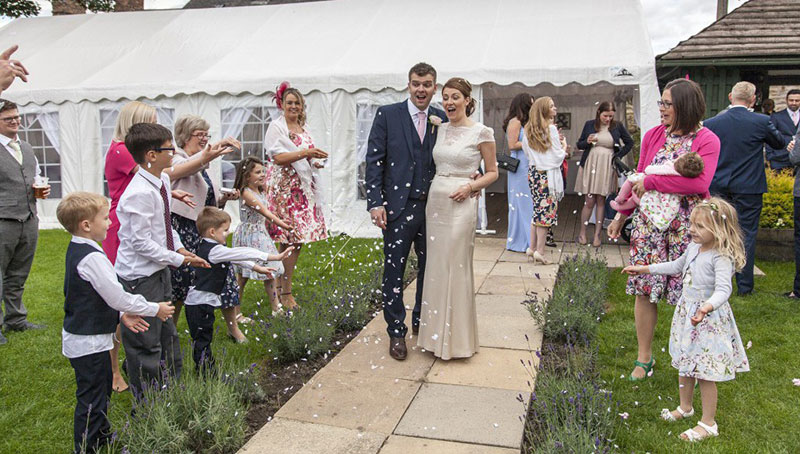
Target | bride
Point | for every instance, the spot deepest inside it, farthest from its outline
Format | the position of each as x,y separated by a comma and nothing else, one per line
448,322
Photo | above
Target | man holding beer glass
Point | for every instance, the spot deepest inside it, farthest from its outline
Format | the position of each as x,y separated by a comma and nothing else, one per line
20,185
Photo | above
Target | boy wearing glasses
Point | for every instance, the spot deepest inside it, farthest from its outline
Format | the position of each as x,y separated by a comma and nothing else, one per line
148,245
19,226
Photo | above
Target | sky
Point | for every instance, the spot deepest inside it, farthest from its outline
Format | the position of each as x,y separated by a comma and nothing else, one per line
669,21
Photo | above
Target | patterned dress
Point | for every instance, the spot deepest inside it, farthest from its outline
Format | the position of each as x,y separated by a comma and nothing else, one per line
287,200
545,206
183,277
713,349
649,245
252,232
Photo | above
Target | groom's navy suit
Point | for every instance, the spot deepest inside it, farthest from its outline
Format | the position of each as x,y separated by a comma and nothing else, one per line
399,172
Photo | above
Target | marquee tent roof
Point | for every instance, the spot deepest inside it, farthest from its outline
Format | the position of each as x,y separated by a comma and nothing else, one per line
342,44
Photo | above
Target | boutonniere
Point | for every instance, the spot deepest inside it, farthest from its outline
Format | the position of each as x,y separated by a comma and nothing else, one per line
435,122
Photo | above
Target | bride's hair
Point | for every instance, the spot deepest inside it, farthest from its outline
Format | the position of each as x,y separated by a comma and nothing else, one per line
465,88
537,130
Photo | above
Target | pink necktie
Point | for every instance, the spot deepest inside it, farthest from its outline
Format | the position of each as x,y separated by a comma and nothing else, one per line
421,126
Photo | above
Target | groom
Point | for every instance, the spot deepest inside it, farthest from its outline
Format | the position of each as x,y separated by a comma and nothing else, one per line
400,169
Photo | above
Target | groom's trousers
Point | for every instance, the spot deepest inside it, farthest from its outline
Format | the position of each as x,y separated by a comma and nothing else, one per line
398,237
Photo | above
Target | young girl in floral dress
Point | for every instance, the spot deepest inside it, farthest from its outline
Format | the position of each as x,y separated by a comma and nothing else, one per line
252,232
704,343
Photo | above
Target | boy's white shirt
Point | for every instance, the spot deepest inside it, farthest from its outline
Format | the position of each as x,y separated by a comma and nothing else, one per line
99,272
143,232
242,256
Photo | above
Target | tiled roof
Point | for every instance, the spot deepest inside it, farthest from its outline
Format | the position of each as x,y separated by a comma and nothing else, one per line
758,28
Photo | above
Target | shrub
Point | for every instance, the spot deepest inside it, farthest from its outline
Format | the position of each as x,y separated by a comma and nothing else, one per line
304,334
578,299
191,415
777,212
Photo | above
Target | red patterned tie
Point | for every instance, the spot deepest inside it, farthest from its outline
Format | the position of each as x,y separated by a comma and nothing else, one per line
167,220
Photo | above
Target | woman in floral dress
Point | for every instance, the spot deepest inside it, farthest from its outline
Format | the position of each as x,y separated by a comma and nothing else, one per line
293,183
682,108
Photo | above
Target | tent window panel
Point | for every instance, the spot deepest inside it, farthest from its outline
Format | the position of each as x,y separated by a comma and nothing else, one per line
108,123
32,131
249,126
365,114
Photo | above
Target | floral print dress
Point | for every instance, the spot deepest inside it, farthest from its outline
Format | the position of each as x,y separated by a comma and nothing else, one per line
545,206
650,245
287,200
713,349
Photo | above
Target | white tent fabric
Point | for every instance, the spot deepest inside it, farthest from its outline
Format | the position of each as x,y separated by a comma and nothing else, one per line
340,53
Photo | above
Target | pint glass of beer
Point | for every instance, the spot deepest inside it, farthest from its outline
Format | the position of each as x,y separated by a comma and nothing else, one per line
40,185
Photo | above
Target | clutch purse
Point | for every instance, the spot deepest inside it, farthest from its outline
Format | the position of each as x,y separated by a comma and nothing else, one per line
507,163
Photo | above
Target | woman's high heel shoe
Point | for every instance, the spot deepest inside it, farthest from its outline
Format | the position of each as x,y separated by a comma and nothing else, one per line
535,256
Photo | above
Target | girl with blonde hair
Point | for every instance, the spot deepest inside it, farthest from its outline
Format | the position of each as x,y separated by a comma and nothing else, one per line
545,150
704,344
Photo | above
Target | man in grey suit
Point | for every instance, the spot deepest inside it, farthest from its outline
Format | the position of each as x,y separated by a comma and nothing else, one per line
19,226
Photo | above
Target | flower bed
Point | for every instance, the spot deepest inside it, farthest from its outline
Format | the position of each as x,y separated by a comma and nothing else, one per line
569,411
338,295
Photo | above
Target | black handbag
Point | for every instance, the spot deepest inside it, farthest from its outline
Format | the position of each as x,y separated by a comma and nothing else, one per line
507,163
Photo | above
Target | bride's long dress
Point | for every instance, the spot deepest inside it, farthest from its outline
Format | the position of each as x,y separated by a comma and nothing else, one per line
448,321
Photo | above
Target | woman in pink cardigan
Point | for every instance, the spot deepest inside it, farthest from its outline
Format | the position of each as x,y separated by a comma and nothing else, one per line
682,108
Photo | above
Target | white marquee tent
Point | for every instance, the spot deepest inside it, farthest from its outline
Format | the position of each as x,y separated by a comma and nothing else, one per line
348,56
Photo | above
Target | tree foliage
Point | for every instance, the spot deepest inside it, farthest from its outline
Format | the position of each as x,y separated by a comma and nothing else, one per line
20,8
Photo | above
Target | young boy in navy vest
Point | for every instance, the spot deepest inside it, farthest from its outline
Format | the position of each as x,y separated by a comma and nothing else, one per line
203,298
148,246
93,302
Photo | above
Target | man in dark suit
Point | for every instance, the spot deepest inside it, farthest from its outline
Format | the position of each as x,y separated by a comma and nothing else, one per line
19,226
786,121
740,176
399,172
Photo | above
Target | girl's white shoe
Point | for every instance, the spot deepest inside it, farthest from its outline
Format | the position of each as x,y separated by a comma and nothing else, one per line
692,435
667,415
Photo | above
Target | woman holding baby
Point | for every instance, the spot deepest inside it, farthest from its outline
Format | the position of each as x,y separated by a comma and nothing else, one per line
682,109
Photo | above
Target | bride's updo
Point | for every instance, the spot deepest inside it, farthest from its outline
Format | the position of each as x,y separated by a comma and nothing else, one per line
465,88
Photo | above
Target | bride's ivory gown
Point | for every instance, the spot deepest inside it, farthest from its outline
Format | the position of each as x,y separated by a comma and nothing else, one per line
448,321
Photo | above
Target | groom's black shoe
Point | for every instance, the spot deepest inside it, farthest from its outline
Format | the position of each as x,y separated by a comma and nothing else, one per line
397,348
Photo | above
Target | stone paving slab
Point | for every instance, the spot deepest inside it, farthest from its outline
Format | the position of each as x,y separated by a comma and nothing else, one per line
482,266
490,368
505,305
487,252
366,403
368,355
508,285
398,444
466,414
281,436
500,331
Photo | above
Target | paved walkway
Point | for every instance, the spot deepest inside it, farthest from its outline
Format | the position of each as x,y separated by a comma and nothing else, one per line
364,402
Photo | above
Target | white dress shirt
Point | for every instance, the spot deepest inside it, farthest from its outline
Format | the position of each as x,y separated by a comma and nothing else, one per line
99,272
142,232
413,110
794,115
242,256
5,141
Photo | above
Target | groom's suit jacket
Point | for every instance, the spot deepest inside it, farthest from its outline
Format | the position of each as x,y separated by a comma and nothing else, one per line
394,154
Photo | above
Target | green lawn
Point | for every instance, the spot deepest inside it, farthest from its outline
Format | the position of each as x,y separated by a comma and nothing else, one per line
37,385
757,413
